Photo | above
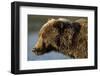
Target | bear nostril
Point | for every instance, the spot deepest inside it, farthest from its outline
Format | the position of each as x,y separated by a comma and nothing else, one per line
34,49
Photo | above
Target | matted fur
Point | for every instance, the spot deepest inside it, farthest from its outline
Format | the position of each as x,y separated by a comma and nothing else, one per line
63,36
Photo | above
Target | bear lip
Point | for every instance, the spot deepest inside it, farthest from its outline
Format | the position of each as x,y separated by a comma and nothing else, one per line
34,50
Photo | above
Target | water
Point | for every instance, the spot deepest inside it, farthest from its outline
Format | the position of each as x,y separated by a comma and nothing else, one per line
32,39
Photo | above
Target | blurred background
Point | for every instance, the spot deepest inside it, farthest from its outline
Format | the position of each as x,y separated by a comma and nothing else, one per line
35,22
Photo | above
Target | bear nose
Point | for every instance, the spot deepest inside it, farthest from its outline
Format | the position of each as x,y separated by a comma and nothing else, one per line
34,49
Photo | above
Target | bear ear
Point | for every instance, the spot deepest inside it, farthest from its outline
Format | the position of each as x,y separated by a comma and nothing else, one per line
76,26
82,21
57,24
50,19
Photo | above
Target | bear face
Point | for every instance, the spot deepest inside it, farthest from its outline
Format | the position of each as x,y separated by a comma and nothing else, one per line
43,44
60,35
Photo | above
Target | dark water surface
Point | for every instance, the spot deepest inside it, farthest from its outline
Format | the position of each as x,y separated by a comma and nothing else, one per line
32,39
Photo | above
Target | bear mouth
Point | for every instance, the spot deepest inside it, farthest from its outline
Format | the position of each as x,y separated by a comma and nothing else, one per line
37,51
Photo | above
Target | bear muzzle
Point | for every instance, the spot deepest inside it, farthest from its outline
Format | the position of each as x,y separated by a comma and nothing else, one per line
37,51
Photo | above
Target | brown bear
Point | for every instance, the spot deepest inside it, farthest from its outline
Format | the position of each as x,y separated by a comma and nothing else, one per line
63,36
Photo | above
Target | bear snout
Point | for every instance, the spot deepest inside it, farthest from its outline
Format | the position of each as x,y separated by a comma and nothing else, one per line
37,51
40,51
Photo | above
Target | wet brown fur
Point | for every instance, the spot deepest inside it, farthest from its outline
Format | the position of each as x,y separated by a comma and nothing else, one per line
63,37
